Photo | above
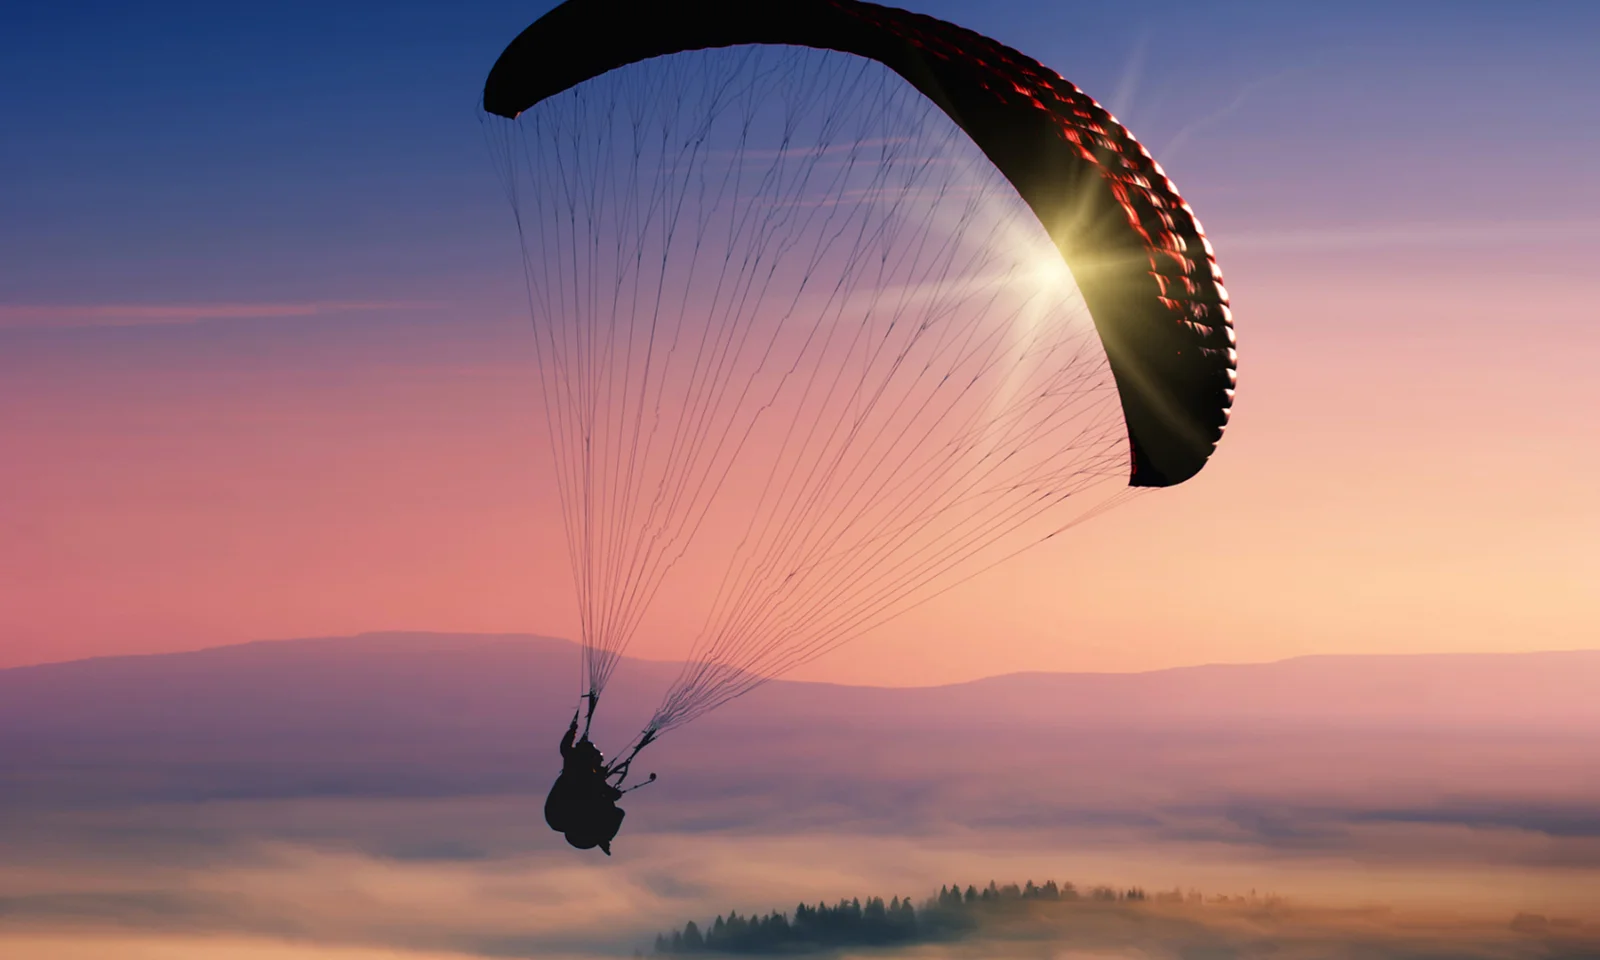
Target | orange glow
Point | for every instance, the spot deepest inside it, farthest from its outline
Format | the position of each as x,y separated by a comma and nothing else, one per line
1387,485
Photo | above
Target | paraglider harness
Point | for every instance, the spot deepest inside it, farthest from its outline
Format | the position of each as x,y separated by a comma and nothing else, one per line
620,768
583,801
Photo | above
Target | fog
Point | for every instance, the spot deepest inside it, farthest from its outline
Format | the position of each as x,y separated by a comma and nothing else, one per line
483,878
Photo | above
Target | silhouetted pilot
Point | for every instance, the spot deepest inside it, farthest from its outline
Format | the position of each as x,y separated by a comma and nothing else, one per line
583,803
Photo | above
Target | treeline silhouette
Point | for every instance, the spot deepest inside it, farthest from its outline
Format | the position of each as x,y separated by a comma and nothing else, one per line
950,915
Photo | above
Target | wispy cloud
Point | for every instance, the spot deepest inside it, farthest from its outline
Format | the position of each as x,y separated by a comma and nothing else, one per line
1373,236
75,315
1236,928
57,945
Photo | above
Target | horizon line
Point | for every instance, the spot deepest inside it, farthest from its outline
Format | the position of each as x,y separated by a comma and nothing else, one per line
527,637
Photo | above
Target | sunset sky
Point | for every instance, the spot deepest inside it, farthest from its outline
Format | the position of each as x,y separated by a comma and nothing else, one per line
266,368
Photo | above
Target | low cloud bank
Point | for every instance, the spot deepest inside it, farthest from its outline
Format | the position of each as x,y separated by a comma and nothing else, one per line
484,878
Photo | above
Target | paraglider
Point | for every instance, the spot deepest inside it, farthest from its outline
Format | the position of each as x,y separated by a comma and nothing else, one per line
806,354
583,803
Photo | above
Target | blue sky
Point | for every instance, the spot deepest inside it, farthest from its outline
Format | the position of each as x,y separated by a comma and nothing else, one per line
174,151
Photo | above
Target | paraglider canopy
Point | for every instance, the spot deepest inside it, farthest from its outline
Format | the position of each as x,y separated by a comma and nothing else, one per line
1139,256
807,346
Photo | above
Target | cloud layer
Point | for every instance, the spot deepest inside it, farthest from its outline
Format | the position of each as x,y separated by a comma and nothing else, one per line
303,879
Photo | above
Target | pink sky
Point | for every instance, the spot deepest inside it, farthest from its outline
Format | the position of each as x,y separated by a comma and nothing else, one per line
1406,471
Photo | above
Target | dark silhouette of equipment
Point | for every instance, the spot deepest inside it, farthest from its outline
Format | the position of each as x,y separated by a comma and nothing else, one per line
582,804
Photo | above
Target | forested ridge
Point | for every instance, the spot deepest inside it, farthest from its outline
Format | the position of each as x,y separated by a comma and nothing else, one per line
949,915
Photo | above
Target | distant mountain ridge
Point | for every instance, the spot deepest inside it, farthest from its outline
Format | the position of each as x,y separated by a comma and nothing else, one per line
457,677
436,716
